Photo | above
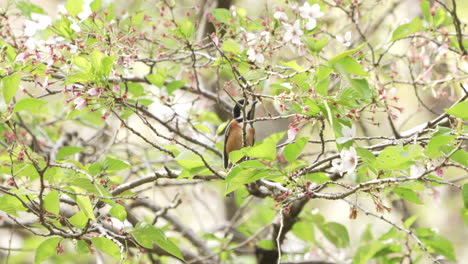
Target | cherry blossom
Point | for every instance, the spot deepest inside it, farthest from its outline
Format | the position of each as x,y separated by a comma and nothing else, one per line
347,163
311,13
307,12
75,27
311,24
80,103
417,170
348,134
86,10
281,16
255,56
38,22
346,41
293,33
95,91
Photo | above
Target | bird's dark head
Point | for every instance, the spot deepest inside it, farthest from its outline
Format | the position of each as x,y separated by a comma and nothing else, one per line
237,110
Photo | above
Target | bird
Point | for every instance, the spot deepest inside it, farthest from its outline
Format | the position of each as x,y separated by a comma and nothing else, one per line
233,133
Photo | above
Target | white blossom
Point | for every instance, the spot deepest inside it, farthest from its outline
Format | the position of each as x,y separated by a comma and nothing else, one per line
86,10
38,22
80,103
311,24
347,163
306,11
255,57
293,33
266,35
346,41
281,16
417,170
348,134
75,27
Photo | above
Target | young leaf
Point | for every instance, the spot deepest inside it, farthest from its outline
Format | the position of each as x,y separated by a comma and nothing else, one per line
408,195
146,234
407,29
304,231
79,220
348,65
107,246
459,110
367,252
291,151
465,195
118,211
47,249
222,15
68,151
174,85
10,85
28,104
52,203
74,7
335,233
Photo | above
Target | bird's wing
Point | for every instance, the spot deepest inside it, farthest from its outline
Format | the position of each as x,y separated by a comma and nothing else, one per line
225,156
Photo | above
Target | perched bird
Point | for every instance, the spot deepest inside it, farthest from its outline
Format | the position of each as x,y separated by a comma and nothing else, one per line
233,134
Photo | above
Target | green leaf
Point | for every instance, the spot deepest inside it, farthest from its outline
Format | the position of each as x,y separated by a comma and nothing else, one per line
436,243
107,246
348,65
52,202
79,220
361,86
136,89
317,177
74,7
245,172
397,157
316,46
464,214
29,104
461,156
434,145
304,231
266,244
145,234
346,54
335,233
10,85
222,15
84,202
459,110
407,29
465,195
409,222
174,85
118,211
293,65
68,151
47,249
158,77
426,10
407,194
265,150
367,252
95,5
231,46
111,164
291,151
81,247
186,28
26,7
11,205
